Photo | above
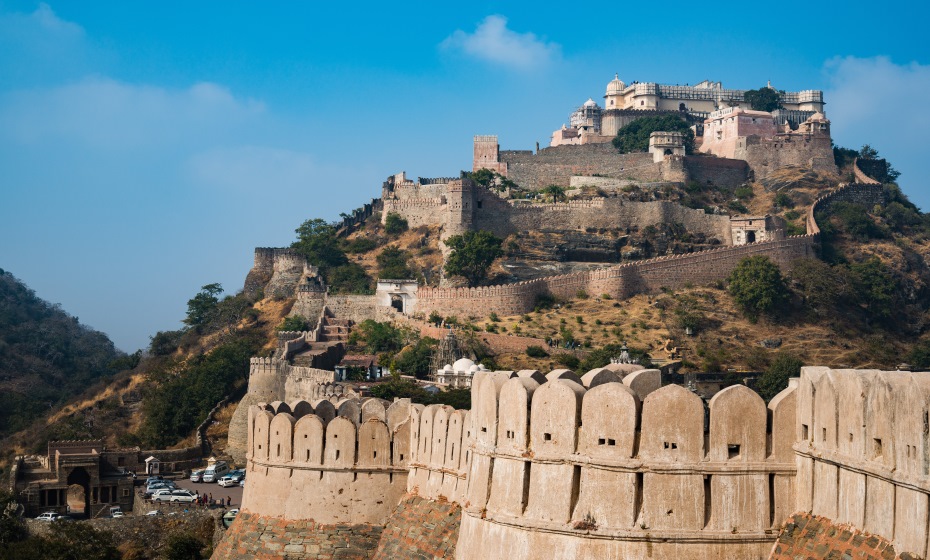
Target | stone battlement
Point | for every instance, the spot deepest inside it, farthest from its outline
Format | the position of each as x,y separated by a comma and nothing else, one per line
351,459
562,462
863,451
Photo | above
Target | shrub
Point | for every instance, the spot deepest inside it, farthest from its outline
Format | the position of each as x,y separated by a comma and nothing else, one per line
775,378
394,224
758,287
783,200
293,323
360,245
568,360
744,193
472,254
536,352
634,137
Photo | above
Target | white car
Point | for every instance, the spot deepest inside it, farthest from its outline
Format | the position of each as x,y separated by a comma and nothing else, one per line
49,516
230,480
182,496
197,476
163,495
117,514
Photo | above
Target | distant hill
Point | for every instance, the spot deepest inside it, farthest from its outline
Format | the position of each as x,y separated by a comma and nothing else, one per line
46,355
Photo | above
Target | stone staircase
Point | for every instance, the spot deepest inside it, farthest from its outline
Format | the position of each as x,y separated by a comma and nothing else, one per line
333,338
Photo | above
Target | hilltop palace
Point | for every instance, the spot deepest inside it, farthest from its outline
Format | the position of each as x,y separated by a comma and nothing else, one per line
701,102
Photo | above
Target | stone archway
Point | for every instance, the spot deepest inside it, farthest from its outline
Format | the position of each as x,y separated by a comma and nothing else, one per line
397,302
79,491
750,236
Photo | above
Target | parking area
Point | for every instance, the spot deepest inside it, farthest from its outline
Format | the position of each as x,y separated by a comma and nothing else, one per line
218,492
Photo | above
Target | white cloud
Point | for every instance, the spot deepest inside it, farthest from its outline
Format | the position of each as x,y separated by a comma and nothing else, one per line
492,41
875,101
253,169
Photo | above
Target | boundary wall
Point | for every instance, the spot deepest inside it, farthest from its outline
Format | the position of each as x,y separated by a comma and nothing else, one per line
621,281
863,452
594,472
347,462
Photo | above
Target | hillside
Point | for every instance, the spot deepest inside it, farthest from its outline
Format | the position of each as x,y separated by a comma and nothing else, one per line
863,304
46,355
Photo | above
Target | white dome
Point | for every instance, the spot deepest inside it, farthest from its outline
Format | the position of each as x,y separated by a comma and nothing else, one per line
482,368
615,86
448,368
473,369
590,103
462,364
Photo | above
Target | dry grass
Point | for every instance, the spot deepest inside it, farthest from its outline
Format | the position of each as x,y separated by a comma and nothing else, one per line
725,340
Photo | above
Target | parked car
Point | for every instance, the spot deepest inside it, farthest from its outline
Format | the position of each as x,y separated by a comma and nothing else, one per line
153,479
160,486
242,483
230,480
117,514
163,495
182,496
49,516
215,471
197,476
153,512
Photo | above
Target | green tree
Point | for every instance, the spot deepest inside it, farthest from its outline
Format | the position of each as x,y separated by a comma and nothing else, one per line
634,137
183,546
374,337
763,99
394,224
349,278
775,379
415,359
317,241
820,285
392,263
919,356
758,287
295,323
554,193
889,175
200,307
472,254
874,287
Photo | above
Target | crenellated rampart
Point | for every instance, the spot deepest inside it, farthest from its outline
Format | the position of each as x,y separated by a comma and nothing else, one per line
594,472
863,452
349,459
673,272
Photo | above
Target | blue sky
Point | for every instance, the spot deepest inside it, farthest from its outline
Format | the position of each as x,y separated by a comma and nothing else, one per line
147,147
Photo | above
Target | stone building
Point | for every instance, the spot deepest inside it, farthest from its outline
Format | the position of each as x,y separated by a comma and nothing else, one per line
624,103
755,229
458,375
82,478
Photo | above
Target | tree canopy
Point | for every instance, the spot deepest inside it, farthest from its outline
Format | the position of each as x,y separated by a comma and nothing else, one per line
763,99
472,254
316,240
392,263
758,287
634,137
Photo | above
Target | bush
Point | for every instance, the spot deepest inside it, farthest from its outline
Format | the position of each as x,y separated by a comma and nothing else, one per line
294,323
374,337
568,360
544,301
783,200
762,99
394,224
744,193
634,137
184,546
757,287
415,359
472,254
392,263
360,245
775,378
350,278
536,352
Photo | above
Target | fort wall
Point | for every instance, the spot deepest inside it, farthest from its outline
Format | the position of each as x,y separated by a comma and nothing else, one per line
863,452
355,471
722,172
596,473
811,151
556,165
420,528
621,281
503,217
